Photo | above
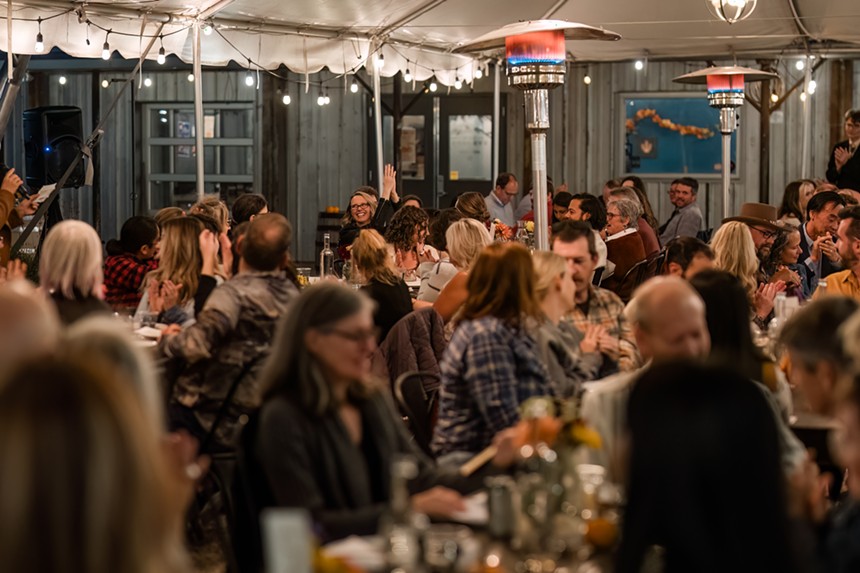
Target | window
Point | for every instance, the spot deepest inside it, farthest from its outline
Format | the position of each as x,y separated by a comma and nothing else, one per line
170,154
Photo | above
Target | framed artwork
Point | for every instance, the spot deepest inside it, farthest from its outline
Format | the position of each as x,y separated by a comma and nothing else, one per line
672,134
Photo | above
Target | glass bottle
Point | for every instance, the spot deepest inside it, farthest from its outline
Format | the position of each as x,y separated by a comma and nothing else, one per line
399,526
326,258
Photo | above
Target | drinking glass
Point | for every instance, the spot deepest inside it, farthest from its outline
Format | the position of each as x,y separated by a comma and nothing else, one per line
303,275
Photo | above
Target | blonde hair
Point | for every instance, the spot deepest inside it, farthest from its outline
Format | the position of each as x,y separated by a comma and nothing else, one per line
465,240
372,258
86,484
180,259
371,200
734,252
216,208
549,266
71,260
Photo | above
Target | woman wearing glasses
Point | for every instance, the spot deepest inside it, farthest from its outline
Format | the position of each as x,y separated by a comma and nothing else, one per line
365,211
326,434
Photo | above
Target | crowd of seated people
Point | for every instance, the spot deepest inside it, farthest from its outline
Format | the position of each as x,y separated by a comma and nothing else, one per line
262,393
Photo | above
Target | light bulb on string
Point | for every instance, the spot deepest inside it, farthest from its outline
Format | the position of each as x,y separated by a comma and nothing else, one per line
147,82
40,43
479,73
62,80
326,99
458,84
353,87
639,65
407,76
586,80
105,84
379,60
774,97
208,29
162,57
190,77
286,99
800,65
321,99
811,87
802,96
433,86
106,47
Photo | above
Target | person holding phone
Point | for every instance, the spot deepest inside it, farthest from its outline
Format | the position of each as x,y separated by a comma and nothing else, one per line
11,215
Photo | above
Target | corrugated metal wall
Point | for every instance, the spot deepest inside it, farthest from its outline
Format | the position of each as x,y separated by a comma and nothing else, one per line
327,155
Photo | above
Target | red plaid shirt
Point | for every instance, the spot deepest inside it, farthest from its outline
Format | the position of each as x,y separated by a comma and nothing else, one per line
124,276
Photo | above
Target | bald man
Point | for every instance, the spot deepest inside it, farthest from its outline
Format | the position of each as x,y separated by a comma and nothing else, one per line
668,321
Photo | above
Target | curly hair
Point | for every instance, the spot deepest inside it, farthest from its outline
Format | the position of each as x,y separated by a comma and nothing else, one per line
404,225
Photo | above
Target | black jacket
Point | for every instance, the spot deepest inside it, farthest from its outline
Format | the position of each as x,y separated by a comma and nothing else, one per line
849,176
812,276
349,232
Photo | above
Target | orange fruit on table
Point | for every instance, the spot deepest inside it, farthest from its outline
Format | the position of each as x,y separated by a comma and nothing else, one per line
601,533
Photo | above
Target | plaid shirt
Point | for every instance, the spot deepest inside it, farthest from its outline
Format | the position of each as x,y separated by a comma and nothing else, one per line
488,370
606,309
124,276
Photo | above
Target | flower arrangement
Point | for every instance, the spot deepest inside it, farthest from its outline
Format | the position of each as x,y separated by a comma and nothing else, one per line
502,232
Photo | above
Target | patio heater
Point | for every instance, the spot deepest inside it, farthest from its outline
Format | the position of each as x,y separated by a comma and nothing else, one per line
726,93
536,62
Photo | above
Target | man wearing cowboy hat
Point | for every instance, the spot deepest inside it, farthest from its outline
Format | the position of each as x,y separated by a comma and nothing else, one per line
762,221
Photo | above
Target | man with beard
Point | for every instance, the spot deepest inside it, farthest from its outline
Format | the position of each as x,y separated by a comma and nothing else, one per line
762,221
817,241
847,282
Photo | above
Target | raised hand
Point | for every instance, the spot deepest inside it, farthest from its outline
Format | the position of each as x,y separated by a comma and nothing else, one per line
389,183
11,182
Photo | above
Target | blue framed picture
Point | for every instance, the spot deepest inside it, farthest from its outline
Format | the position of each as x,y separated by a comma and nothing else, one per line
672,134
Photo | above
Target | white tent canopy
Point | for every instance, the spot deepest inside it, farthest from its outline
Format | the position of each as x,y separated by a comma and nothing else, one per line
420,35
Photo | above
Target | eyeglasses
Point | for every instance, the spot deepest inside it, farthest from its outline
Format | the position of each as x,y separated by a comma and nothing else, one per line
610,215
766,233
359,206
357,336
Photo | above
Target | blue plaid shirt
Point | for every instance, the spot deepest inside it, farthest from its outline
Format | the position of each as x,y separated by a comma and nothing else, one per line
488,370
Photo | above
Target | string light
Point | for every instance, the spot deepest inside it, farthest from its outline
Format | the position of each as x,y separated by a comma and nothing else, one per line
586,80
326,99
249,77
774,97
190,77
286,99
147,82
800,65
105,83
407,77
106,47
802,96
321,99
62,80
208,29
811,86
40,44
639,65
353,87
479,73
433,86
162,57
379,60
458,84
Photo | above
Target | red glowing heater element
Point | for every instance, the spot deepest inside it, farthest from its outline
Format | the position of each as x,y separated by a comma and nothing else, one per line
545,47
725,83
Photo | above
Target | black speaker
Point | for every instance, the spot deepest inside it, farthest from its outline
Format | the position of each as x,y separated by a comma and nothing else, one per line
53,137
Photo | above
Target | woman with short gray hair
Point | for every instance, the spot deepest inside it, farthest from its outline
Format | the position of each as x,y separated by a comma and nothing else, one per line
624,245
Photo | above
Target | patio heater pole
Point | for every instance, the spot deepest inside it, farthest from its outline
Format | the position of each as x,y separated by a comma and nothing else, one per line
536,64
497,103
198,112
726,93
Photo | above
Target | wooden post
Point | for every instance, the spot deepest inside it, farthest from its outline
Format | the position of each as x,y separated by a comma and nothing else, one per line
273,176
841,94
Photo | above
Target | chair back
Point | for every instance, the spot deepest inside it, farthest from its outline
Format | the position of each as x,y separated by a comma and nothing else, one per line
417,394
639,273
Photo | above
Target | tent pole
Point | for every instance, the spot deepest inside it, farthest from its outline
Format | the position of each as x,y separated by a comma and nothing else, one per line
13,87
497,99
377,120
807,109
198,113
